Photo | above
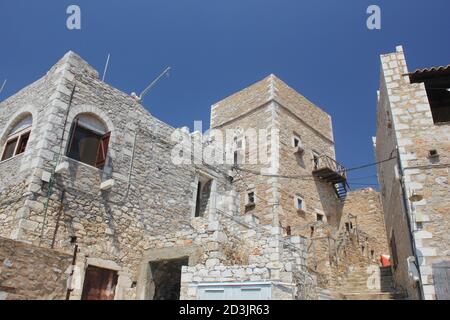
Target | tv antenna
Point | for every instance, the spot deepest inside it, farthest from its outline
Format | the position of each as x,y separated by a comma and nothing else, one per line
3,85
106,68
151,85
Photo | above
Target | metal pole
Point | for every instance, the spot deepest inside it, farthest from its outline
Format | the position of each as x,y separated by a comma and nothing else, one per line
146,90
106,68
3,85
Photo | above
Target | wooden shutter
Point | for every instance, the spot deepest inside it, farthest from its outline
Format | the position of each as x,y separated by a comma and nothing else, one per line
72,132
102,151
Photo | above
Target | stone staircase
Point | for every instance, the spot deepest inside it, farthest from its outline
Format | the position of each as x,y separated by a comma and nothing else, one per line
369,283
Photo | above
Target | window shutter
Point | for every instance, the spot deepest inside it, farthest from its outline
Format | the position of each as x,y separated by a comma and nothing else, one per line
72,131
102,151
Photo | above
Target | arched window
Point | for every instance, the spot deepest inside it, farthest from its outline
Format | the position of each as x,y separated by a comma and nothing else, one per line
89,140
17,140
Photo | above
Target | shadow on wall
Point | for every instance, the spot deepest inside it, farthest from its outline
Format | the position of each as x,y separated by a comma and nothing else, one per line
441,277
332,206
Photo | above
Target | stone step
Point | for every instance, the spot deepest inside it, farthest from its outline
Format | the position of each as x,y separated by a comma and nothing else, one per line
372,296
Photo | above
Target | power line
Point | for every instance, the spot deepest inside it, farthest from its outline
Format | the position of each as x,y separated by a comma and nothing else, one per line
370,164
308,177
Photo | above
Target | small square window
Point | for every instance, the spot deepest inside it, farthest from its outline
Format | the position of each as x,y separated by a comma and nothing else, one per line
348,226
319,217
251,198
299,203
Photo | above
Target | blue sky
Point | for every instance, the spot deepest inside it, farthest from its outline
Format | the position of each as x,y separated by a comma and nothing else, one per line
216,47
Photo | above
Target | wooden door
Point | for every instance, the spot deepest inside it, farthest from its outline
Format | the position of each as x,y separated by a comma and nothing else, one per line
99,284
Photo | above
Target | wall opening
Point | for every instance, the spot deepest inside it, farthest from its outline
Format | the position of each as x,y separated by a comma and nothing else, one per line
437,85
165,278
203,196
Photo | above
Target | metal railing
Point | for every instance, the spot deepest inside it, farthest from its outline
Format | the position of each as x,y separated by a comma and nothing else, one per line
325,161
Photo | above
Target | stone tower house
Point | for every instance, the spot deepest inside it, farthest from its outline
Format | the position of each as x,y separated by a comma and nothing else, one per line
413,119
300,136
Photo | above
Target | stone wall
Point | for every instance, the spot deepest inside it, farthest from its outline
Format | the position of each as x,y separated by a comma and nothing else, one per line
150,204
259,254
406,129
30,272
362,208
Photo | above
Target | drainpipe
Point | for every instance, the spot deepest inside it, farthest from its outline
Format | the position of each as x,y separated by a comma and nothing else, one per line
409,216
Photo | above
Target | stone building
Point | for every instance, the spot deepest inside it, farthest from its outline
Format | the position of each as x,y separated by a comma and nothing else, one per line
90,191
413,131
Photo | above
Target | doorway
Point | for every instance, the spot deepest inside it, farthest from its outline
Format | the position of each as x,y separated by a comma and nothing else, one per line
165,278
99,284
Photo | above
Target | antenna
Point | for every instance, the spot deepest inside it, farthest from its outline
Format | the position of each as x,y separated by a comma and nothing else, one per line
3,85
146,90
106,68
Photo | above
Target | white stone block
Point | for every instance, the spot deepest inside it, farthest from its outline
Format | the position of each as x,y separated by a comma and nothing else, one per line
106,185
424,235
46,176
63,167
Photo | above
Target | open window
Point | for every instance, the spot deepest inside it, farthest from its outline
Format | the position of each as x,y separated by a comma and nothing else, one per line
316,159
203,196
250,199
297,144
437,85
89,141
299,204
17,139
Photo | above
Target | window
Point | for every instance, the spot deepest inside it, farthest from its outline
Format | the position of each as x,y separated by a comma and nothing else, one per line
296,141
88,141
17,140
319,217
299,203
316,160
251,198
203,195
437,85
348,226
288,231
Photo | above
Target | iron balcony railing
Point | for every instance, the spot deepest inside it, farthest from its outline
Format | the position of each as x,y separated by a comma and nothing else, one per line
325,162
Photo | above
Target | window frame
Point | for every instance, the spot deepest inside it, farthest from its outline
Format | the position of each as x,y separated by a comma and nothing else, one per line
303,203
18,136
297,137
315,155
201,180
102,147
249,203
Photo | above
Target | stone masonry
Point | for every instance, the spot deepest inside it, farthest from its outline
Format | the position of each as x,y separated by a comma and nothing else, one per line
139,209
415,185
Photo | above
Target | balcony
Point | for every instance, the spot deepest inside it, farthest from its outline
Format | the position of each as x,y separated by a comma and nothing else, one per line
332,172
